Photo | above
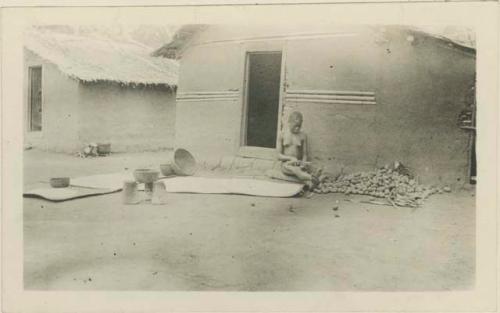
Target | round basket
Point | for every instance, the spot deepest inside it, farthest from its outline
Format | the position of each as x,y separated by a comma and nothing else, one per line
183,163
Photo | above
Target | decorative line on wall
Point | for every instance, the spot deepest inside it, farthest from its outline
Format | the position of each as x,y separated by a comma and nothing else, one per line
331,96
208,95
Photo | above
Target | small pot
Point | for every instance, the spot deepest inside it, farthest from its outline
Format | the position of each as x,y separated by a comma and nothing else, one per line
129,192
146,175
159,193
167,169
103,148
59,182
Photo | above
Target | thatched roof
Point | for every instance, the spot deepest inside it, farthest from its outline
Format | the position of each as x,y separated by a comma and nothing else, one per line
94,60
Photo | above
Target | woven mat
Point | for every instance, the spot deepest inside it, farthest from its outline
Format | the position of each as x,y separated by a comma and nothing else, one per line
242,186
108,183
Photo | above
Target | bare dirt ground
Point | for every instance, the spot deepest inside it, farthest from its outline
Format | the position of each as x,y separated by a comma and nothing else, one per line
239,243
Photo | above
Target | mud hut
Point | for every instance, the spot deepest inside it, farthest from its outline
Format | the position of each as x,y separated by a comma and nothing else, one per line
80,90
369,95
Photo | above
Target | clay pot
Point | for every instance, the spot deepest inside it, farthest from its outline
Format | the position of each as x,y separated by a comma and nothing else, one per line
159,193
103,148
144,175
129,192
167,169
59,182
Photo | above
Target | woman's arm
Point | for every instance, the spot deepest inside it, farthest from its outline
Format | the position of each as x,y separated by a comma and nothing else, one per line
304,149
283,157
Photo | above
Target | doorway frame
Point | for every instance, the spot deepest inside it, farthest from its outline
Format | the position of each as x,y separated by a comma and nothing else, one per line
29,124
251,151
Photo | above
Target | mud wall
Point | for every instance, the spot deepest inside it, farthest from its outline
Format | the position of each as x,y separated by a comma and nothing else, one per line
59,108
420,89
75,114
131,119
419,86
209,125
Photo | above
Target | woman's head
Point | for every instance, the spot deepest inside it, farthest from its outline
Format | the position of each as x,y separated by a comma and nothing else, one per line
295,121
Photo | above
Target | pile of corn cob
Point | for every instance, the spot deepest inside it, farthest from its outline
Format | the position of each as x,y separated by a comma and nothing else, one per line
394,183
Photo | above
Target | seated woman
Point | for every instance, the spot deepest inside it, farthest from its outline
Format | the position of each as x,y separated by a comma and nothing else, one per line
292,152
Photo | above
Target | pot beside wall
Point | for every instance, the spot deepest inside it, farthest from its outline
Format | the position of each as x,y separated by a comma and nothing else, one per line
103,148
167,169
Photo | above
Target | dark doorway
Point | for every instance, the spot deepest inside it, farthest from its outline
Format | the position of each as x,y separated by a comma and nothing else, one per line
35,99
263,95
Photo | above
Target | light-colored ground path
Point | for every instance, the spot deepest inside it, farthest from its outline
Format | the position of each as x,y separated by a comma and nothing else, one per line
240,243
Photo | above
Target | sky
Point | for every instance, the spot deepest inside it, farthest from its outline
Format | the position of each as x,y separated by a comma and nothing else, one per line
155,36
461,35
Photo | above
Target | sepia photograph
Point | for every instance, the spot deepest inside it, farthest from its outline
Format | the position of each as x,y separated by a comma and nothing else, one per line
247,158
302,158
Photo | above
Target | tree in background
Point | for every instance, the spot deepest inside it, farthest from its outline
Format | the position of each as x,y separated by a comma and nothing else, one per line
151,36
